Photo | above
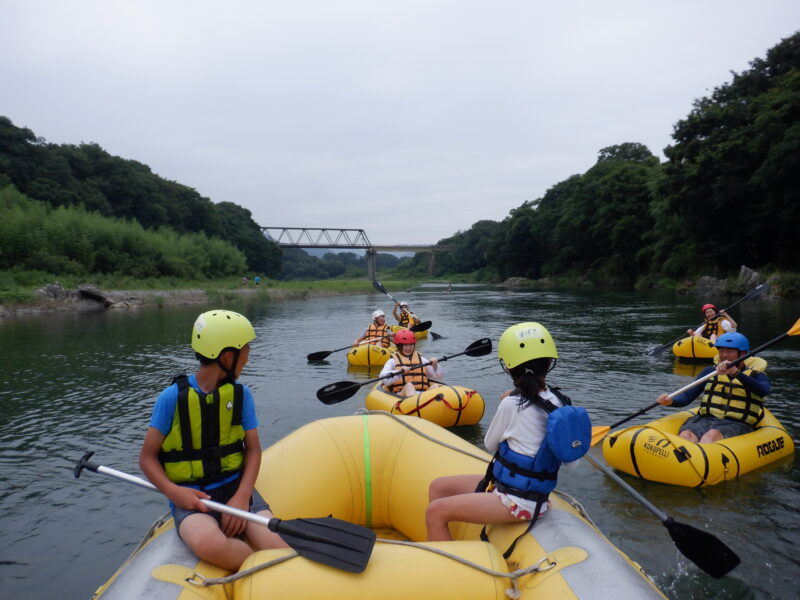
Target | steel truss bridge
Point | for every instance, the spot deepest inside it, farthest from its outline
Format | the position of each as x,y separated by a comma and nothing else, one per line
329,237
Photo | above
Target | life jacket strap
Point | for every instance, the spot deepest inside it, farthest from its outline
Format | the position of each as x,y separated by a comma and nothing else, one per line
517,470
201,453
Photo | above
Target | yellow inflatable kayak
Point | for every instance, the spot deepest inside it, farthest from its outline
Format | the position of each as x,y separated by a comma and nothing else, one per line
694,348
446,405
374,470
370,355
417,334
655,452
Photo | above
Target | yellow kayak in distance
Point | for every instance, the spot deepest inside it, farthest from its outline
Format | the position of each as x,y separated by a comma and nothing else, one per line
446,405
693,347
655,452
370,355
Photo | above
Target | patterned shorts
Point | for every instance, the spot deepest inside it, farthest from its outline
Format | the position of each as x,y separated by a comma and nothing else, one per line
521,508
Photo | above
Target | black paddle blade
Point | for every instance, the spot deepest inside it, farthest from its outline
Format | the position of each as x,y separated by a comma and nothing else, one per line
702,548
328,541
435,336
480,347
319,355
336,392
422,326
378,286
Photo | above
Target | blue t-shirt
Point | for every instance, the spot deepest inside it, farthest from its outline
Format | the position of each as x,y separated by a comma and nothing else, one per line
164,414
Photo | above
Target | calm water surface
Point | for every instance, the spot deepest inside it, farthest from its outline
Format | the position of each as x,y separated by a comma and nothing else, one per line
73,383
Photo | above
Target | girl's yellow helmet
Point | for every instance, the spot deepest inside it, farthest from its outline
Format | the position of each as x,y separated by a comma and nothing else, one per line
523,342
216,330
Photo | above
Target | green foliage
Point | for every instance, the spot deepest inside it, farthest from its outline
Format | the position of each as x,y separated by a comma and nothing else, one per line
87,177
70,241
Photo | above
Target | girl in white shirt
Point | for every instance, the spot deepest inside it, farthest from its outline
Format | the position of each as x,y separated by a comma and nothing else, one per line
527,353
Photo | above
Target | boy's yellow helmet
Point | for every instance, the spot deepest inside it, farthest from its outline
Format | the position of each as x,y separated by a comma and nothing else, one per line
523,342
216,330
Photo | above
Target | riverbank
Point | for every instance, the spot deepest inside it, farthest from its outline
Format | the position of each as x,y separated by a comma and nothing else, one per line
88,298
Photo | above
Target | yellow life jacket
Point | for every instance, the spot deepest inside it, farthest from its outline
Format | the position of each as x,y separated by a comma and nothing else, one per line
378,331
727,398
712,327
206,440
416,375
405,319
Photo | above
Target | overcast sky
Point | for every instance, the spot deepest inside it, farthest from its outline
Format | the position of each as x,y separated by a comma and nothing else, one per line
411,119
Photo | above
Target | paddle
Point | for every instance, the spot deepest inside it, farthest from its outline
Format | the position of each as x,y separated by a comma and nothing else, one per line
379,286
325,540
325,353
762,287
342,390
700,547
598,433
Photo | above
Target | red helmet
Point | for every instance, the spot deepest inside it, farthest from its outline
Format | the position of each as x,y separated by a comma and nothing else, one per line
404,336
707,306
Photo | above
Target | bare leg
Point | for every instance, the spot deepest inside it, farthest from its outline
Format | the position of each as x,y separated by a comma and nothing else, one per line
710,436
202,534
260,537
688,435
469,508
408,390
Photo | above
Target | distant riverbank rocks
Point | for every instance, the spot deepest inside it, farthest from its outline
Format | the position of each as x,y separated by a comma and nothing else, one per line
53,297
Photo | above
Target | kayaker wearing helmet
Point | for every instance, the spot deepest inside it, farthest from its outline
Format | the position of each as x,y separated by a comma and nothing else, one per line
377,331
733,400
528,435
716,323
410,378
405,318
203,443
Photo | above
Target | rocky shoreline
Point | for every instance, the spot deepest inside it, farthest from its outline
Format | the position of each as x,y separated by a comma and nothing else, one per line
86,298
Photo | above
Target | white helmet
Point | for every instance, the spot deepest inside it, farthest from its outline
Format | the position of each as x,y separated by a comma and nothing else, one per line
378,313
404,303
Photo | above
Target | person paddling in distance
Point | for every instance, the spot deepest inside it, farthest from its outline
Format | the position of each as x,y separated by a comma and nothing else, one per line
377,331
528,440
715,323
203,443
733,400
405,318
411,378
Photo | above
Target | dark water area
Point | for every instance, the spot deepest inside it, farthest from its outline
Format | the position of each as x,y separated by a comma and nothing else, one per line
72,383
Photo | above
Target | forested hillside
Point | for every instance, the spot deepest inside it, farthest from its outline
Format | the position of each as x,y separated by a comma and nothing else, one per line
86,176
728,194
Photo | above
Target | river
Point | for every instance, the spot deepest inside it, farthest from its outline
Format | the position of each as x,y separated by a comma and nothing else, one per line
78,382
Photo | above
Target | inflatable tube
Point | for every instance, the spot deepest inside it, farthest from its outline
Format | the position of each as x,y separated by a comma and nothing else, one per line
655,452
446,405
370,355
694,348
418,334
375,470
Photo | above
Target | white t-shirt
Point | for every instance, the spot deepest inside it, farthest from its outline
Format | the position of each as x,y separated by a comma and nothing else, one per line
524,429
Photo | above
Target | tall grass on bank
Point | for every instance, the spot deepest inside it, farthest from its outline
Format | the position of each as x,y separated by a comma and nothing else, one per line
71,242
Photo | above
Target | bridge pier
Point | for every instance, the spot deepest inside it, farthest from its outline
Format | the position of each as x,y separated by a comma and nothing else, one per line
371,254
431,263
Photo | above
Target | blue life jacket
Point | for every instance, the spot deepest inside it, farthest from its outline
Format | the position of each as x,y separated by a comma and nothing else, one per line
567,438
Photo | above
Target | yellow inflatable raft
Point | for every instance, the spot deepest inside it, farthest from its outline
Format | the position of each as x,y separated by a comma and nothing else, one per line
655,452
417,334
375,470
446,405
370,355
694,348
